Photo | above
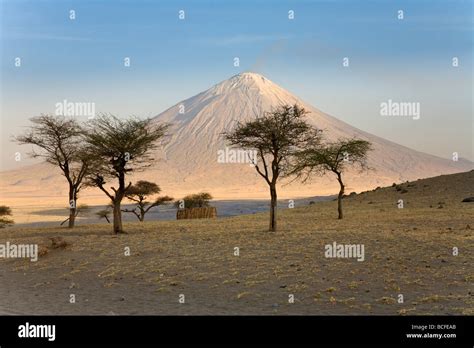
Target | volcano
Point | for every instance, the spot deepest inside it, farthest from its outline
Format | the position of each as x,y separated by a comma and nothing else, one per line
191,152
188,161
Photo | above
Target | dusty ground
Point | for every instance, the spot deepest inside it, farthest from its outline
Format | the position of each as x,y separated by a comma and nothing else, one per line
408,251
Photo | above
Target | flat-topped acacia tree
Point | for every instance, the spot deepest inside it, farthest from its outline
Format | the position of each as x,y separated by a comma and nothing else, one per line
335,157
4,212
118,147
58,140
139,192
276,136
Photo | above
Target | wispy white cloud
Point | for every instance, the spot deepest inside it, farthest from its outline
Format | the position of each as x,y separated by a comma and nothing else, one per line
48,37
241,39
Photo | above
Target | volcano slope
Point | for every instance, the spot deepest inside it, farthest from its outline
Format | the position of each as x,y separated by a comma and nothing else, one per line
191,151
408,251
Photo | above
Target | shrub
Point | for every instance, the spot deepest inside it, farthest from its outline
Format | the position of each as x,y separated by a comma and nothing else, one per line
4,212
197,200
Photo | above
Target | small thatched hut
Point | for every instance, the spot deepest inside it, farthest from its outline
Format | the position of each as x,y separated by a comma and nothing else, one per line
196,213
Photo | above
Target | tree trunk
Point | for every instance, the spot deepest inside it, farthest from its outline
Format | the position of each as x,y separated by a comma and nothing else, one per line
142,215
117,218
119,194
72,206
339,197
72,217
273,210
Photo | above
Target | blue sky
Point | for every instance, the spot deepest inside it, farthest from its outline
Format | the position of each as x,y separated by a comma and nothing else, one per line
173,59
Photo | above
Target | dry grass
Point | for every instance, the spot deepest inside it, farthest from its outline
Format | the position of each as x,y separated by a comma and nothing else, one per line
407,251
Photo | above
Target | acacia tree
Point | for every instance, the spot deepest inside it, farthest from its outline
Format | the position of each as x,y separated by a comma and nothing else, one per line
4,212
59,141
104,214
334,157
276,136
139,192
118,147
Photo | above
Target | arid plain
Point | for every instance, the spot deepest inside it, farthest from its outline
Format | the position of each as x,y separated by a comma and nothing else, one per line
408,252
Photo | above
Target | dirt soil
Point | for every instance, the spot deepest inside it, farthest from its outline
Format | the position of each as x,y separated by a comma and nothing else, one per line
408,252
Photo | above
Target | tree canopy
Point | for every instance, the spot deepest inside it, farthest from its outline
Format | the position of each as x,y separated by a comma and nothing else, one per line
139,192
335,157
276,136
118,147
58,140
